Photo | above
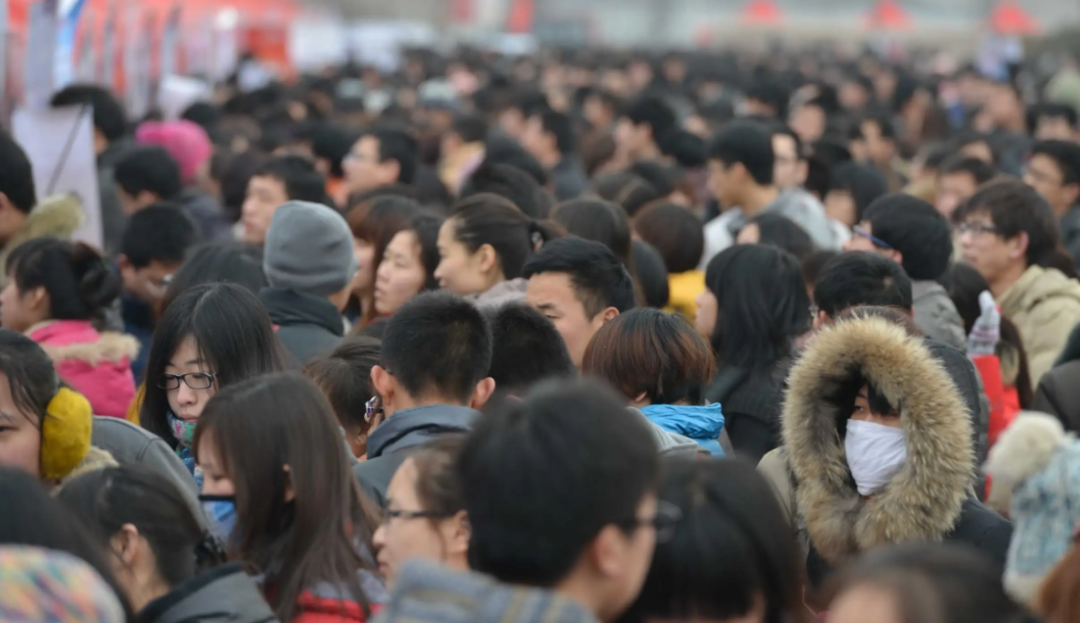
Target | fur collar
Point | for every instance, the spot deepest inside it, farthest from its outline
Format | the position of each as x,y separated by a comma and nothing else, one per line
924,500
110,348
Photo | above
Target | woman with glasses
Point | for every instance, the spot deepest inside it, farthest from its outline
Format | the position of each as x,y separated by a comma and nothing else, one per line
425,515
211,337
279,494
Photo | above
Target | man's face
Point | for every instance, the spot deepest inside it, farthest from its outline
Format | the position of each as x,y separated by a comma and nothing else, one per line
789,170
363,168
808,122
264,196
536,141
954,189
1054,129
724,183
1044,175
552,294
986,250
149,282
879,148
631,140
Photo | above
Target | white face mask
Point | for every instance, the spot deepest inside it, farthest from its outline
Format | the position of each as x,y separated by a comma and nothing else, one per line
875,453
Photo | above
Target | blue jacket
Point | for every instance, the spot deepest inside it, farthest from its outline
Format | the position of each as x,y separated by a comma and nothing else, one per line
702,424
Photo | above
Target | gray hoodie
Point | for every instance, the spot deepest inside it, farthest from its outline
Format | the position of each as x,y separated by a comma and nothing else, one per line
223,595
936,315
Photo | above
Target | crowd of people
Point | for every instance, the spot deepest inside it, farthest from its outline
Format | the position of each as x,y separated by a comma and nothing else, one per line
583,336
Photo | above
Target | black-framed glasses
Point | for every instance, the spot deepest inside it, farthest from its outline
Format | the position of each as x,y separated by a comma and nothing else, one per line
878,242
665,521
194,380
977,229
391,514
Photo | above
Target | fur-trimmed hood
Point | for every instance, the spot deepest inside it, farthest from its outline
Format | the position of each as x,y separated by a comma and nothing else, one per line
54,217
923,502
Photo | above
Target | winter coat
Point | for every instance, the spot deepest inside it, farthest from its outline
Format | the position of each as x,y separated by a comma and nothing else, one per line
1045,306
138,320
207,214
223,595
701,424
752,403
668,443
1057,394
569,179
930,499
391,443
55,217
96,458
504,292
429,593
97,366
936,315
327,604
1070,232
307,325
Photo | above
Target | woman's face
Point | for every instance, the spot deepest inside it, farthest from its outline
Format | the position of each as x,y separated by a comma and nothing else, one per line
864,413
20,438
401,274
364,279
19,311
459,270
187,403
708,310
215,480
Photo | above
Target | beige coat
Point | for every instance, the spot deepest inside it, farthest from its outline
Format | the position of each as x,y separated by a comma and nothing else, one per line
1045,306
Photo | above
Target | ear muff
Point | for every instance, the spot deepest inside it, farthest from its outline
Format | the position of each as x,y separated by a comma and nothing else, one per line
65,434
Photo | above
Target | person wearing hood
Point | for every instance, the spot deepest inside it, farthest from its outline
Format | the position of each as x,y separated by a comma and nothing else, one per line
435,358
876,449
662,366
309,264
164,560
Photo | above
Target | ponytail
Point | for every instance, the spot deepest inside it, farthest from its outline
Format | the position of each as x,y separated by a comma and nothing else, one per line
79,281
494,220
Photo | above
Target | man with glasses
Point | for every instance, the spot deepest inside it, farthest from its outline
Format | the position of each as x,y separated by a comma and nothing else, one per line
1009,233
1054,170
912,233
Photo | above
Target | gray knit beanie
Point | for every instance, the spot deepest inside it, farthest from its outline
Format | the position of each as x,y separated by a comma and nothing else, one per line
309,248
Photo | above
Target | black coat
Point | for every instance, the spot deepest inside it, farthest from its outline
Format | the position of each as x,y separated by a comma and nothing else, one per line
307,325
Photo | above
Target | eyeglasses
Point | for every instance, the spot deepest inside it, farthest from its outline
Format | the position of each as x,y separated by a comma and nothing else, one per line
665,521
978,229
878,242
389,515
194,380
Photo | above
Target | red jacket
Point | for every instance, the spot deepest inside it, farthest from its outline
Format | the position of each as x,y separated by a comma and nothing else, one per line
1004,401
313,609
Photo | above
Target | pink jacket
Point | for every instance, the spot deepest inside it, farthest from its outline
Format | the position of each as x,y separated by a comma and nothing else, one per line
97,365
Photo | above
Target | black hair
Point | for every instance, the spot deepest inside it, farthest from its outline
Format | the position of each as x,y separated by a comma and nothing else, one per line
676,232
783,233
747,143
80,283
598,277
651,274
219,262
1066,154
506,151
425,226
344,376
205,115
655,174
917,230
1045,110
161,232
505,181
30,374
597,220
471,128
561,127
627,190
967,138
301,179
884,124
332,143
109,116
234,181
687,149
1015,208
492,219
831,151
818,176
527,348
438,344
397,144
780,128
771,93
979,170
654,112
107,499
763,305
864,182
861,278
16,175
151,169
555,468
232,332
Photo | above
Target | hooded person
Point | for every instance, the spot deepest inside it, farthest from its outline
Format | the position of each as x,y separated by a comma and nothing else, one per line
309,264
877,449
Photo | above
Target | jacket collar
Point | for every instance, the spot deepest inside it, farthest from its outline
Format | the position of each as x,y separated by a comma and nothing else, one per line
289,307
923,501
419,425
1034,286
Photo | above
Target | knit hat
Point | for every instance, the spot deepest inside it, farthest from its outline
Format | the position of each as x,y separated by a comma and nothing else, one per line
45,586
309,248
1039,465
185,141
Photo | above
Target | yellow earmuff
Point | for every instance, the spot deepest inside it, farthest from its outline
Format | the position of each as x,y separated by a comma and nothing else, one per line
65,434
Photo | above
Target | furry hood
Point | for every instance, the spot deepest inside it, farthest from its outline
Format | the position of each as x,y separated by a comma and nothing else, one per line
54,217
923,502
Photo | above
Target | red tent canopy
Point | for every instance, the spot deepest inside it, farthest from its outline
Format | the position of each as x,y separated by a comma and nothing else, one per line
1009,18
888,15
762,12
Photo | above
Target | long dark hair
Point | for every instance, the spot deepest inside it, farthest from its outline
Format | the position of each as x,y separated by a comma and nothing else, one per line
425,226
233,333
598,220
30,374
494,220
258,427
763,305
222,262
79,281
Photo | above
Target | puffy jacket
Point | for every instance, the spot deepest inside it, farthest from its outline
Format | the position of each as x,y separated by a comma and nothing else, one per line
936,315
1045,306
307,325
701,424
223,595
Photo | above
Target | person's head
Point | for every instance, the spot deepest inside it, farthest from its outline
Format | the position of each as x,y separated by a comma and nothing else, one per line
853,187
880,137
51,279
17,192
754,306
597,220
224,262
527,349
330,144
383,156
144,176
652,358
790,168
110,120
732,534
435,350
1005,228
958,179
651,273
466,130
344,375
270,449
625,189
185,141
777,231
486,240
425,512
677,233
741,158
309,249
507,181
767,98
210,337
278,181
156,242
1052,122
580,286
908,231
1053,169
645,122
408,264
141,518
374,225
549,136
859,278
587,528
977,146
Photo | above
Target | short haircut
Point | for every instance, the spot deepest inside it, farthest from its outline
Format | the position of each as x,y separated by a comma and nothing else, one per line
438,344
1065,153
780,128
1015,207
16,175
861,278
507,151
527,348
332,143
1038,112
505,181
561,127
471,128
344,376
676,232
771,93
865,183
979,170
656,174
148,168
651,273
747,143
302,180
397,144
597,220
109,116
971,137
652,111
161,232
917,230
597,275
884,124
626,189
554,469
